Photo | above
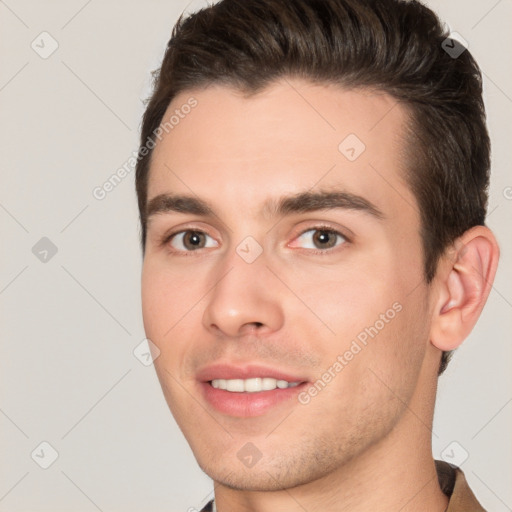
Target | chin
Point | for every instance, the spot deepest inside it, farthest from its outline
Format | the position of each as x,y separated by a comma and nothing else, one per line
262,480
285,472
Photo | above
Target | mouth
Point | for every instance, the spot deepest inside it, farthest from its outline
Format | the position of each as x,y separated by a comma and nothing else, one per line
248,391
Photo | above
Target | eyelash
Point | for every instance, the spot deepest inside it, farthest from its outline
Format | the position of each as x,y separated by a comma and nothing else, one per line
167,238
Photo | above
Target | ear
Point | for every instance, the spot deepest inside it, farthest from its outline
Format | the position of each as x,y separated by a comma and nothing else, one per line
464,279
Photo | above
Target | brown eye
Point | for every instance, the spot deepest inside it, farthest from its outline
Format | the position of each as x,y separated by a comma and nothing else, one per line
325,239
190,240
320,238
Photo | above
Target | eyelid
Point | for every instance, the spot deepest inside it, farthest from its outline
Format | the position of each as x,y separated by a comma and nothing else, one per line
168,234
327,227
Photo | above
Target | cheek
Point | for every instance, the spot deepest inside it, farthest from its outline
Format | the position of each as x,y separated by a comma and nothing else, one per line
166,294
373,316
389,365
152,303
163,300
161,311
171,309
347,299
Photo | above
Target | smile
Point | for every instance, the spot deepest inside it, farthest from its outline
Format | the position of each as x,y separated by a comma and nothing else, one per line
249,390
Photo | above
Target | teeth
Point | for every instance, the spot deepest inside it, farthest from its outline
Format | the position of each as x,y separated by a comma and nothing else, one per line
253,385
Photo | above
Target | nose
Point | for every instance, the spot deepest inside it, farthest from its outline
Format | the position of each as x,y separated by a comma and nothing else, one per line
246,299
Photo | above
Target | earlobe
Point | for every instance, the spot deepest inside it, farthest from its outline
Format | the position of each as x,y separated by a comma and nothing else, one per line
465,278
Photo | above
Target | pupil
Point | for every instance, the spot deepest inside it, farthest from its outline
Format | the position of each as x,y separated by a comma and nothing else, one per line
324,238
194,239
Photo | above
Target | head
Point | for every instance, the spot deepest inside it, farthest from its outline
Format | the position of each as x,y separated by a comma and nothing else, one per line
354,113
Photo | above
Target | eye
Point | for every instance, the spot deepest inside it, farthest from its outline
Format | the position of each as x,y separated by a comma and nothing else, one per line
321,238
190,240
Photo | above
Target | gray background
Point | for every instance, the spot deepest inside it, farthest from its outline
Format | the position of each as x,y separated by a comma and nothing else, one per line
70,323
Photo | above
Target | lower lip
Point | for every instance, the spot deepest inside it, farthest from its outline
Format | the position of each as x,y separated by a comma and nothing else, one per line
246,405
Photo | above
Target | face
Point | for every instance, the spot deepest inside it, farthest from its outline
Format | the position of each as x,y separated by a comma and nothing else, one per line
283,279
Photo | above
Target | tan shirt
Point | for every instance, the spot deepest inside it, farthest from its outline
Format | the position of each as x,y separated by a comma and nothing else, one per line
453,484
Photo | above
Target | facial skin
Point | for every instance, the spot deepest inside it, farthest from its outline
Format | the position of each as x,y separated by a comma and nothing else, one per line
295,310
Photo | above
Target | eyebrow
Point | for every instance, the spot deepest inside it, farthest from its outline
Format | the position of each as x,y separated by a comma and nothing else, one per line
299,203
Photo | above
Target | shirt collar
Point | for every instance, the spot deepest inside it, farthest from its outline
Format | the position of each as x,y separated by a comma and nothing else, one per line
453,483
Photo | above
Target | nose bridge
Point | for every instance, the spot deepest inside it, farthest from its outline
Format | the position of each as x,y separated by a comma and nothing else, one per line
243,293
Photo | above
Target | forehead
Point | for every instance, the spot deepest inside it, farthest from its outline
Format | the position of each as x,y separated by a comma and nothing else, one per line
239,151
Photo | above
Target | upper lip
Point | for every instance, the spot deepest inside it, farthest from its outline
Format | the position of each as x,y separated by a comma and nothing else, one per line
248,371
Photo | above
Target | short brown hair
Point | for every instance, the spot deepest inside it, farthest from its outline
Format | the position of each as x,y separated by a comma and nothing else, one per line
396,46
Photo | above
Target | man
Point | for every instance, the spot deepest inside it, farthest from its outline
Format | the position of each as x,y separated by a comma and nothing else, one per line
312,190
